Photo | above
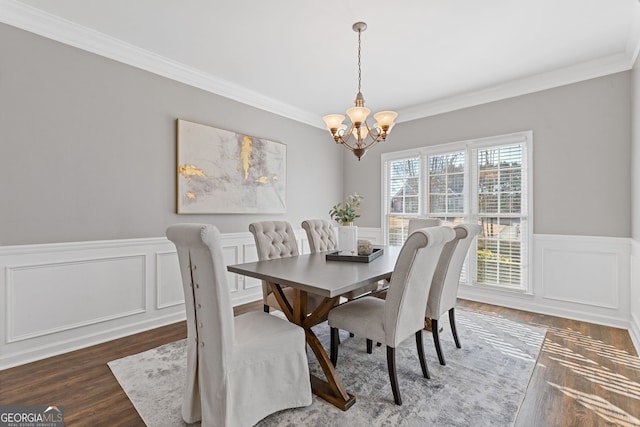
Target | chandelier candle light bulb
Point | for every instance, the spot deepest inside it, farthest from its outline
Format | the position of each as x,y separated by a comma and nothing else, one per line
365,137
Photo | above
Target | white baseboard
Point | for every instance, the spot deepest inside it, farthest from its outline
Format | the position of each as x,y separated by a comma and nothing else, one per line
634,332
527,302
36,352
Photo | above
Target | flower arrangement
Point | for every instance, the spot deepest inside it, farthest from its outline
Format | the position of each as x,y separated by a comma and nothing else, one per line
349,212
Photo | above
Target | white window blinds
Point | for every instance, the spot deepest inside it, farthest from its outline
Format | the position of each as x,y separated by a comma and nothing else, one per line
401,196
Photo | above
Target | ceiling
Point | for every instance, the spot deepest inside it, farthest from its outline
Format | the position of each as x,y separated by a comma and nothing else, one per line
299,58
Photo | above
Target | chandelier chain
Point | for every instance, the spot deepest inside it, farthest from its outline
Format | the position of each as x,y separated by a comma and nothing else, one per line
359,67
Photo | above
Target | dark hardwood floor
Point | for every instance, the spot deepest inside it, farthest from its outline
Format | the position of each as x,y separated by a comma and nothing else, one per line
586,375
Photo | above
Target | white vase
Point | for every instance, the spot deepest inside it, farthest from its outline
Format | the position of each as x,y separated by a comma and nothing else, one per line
348,240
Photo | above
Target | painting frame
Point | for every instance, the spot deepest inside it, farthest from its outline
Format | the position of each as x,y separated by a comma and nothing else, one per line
224,172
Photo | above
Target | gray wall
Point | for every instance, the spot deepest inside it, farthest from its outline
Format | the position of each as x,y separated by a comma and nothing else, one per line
581,153
87,148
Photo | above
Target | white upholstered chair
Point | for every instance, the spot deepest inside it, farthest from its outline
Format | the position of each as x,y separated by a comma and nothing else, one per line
418,223
276,239
239,370
401,315
320,235
444,285
322,239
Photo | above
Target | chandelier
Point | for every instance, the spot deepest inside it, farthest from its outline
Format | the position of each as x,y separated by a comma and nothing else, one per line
364,137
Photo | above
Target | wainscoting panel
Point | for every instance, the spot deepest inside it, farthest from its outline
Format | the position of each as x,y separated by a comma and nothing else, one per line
577,277
566,274
60,297
231,256
168,280
107,288
250,254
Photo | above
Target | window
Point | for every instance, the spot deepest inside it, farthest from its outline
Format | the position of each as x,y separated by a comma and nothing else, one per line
482,181
403,188
445,182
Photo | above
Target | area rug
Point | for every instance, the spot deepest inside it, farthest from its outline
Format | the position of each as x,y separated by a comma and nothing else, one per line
482,384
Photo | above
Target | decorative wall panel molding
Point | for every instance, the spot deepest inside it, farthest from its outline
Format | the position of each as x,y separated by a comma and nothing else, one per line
60,297
577,277
168,281
43,299
65,296
567,273
99,291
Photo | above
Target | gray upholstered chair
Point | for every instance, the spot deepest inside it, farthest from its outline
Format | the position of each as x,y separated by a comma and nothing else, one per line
444,285
401,315
276,239
417,223
320,235
239,370
321,239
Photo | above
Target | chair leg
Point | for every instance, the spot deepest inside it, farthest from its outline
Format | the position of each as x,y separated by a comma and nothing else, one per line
436,340
452,322
423,362
266,308
391,365
334,346
369,346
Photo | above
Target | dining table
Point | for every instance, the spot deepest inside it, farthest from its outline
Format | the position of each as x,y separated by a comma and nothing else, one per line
322,275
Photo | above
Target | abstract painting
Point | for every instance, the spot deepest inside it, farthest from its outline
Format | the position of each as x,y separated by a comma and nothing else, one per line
220,171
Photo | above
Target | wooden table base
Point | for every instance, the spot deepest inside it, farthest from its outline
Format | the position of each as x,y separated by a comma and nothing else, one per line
322,389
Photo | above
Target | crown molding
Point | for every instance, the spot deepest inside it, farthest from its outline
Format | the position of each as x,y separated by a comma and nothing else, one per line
34,20
573,74
633,41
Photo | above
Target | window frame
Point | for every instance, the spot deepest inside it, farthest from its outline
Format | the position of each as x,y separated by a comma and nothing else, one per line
470,148
386,159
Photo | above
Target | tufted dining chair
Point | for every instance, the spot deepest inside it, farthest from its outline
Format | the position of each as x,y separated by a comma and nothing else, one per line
322,239
239,370
401,315
276,239
320,235
445,282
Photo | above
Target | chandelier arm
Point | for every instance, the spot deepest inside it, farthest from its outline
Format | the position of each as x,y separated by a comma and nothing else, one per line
373,143
373,132
364,144
347,146
348,132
